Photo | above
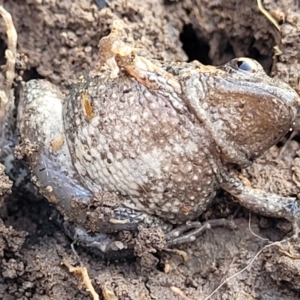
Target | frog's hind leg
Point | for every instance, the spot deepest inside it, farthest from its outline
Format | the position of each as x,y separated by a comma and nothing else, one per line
6,92
7,120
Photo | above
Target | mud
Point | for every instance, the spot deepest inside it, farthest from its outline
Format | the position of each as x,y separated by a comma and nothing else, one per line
60,40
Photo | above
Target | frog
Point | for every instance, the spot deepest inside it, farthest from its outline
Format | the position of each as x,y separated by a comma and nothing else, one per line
142,143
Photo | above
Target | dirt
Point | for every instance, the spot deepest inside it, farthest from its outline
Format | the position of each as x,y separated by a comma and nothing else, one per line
60,40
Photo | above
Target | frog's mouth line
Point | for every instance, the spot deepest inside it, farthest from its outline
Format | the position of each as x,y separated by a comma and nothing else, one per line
279,91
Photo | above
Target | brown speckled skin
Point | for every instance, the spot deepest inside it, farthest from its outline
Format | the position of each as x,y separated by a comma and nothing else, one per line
142,147
160,137
149,146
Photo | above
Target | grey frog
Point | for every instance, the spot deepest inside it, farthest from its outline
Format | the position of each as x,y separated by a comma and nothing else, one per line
139,141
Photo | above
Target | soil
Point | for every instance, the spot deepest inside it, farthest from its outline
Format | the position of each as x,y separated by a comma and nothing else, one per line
60,39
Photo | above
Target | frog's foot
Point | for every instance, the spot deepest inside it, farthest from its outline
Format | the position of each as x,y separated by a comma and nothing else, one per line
102,244
191,230
104,213
130,234
264,203
123,244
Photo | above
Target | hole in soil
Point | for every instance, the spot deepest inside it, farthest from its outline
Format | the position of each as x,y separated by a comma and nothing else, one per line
2,52
198,49
32,74
195,48
264,60
33,211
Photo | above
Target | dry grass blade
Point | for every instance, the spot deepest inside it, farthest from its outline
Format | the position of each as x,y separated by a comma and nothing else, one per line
267,15
86,281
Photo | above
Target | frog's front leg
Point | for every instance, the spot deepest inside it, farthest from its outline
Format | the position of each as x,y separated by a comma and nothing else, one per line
262,202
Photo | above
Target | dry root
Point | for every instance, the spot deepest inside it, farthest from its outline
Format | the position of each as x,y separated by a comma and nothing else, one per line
86,281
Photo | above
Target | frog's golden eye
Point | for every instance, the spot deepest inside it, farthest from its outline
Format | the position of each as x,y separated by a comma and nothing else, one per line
246,65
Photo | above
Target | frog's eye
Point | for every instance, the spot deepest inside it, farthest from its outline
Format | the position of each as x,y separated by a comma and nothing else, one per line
246,65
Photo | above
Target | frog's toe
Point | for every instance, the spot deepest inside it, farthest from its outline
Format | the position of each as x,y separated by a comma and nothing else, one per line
191,230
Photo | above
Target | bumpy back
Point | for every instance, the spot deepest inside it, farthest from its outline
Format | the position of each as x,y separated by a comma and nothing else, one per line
132,140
